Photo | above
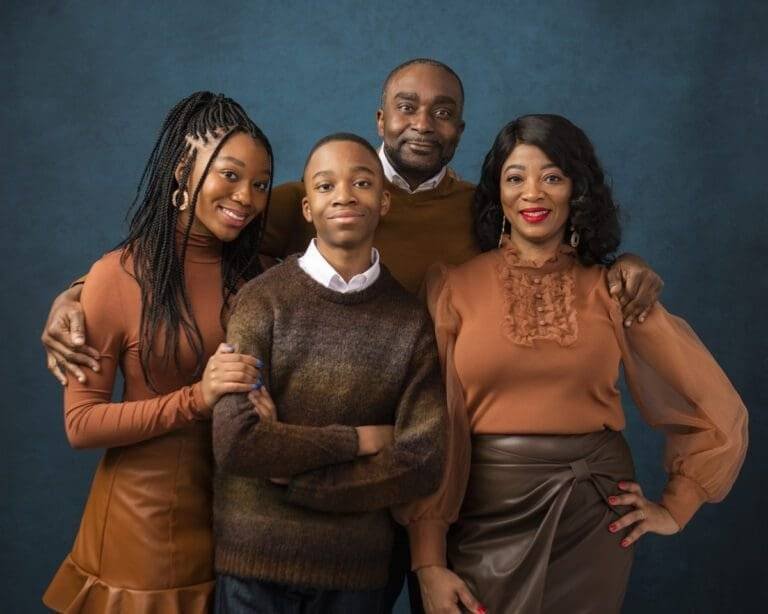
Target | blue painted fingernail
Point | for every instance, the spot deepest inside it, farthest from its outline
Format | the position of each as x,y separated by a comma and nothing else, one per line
228,347
259,363
257,385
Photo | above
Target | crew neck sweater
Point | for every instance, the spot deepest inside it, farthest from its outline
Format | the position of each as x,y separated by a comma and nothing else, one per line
332,363
420,229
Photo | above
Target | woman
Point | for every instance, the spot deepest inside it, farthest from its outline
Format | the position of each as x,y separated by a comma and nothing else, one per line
532,344
154,308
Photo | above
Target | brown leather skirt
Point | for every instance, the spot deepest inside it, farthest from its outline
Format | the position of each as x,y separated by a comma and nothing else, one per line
532,536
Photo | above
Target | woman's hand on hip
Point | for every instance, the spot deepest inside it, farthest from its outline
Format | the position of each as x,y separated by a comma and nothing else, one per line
442,591
647,517
227,372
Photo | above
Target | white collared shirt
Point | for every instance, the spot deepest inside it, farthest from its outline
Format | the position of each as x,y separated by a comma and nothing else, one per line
314,264
394,178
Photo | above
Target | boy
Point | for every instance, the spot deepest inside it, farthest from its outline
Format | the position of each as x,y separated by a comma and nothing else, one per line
357,424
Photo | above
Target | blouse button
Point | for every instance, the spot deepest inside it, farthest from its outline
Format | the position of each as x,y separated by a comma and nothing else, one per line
537,280
539,309
542,322
539,295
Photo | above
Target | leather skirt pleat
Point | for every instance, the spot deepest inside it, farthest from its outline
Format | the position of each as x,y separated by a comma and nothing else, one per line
532,536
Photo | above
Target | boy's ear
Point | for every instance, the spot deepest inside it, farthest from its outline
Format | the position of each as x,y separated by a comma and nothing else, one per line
385,202
305,210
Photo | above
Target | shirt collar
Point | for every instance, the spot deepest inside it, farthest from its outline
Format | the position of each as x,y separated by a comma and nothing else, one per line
314,264
396,179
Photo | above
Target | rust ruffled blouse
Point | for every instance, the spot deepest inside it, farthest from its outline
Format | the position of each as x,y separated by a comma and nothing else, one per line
145,541
532,349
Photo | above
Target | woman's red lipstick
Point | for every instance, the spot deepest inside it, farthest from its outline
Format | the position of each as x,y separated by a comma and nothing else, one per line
535,215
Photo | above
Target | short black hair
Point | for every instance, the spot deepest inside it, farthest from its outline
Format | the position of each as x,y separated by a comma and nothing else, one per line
594,212
428,61
347,137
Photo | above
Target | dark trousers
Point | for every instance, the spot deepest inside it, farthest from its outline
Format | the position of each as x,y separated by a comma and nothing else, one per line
399,570
236,595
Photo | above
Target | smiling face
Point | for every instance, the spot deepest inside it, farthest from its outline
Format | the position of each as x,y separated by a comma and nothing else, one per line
420,120
535,196
345,194
235,189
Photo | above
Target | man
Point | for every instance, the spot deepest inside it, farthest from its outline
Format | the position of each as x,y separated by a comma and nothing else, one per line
304,484
420,123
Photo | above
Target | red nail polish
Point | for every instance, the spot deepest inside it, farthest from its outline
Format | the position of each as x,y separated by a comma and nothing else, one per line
612,528
612,500
624,543
481,610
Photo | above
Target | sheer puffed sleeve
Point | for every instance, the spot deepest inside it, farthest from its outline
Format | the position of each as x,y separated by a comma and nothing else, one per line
427,519
681,390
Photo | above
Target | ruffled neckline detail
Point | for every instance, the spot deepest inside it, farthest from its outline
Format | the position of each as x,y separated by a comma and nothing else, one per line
203,248
538,298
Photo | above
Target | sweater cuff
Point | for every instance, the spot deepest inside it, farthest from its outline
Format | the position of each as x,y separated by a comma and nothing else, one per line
682,497
427,540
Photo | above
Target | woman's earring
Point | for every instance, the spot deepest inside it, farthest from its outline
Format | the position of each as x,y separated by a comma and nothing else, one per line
175,199
503,225
575,237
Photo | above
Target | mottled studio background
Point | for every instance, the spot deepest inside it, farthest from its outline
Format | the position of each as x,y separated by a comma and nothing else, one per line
672,93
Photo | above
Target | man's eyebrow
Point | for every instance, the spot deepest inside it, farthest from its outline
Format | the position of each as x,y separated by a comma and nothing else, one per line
233,160
443,99
407,95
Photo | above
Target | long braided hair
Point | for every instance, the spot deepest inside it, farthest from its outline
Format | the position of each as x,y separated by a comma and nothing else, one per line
158,258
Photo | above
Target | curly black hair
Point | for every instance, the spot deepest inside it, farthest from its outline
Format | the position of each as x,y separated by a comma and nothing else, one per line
594,213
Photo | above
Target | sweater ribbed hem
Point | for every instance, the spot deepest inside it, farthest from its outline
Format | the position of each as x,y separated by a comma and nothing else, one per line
355,570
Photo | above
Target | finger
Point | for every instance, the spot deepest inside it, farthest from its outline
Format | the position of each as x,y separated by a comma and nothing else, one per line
629,499
76,326
614,281
224,357
236,367
65,353
636,534
640,302
637,515
468,599
225,348
641,318
630,486
55,369
227,387
632,280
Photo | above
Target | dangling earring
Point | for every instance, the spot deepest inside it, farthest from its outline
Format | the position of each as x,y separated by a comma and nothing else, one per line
175,199
575,237
503,225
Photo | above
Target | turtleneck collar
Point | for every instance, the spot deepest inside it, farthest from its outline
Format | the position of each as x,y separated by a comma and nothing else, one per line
200,247
563,258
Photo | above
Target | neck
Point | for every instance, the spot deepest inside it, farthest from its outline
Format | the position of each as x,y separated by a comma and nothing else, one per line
413,178
538,253
347,261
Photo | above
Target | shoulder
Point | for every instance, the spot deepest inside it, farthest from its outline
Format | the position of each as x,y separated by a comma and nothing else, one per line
406,304
113,267
274,282
476,270
288,193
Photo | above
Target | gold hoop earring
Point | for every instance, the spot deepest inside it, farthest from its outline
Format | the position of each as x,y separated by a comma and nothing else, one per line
175,199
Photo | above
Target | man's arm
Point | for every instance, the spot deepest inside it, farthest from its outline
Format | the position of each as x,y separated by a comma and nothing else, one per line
636,286
64,337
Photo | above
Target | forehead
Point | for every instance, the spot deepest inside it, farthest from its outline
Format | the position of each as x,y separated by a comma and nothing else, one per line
425,80
525,154
341,156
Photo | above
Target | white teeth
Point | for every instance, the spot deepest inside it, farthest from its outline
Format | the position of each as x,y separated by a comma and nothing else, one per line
235,216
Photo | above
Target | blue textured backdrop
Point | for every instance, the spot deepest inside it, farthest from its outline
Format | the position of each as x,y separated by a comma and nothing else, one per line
672,93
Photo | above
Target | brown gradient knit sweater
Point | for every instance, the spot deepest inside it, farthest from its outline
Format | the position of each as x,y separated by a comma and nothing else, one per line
419,230
332,362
